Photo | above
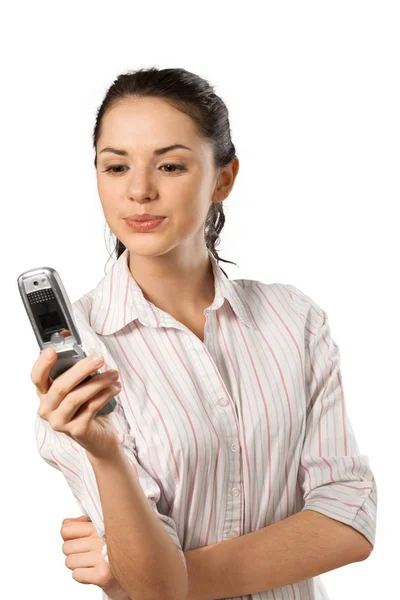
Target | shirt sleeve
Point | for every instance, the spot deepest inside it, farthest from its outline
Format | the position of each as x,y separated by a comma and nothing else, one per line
335,478
65,454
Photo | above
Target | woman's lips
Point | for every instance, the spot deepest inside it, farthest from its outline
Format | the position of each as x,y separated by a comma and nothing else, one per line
144,225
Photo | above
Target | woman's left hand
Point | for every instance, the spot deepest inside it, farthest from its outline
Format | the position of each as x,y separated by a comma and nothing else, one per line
83,549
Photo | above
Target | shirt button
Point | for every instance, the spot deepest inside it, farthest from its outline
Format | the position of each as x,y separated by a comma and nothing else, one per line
233,447
223,401
235,491
233,534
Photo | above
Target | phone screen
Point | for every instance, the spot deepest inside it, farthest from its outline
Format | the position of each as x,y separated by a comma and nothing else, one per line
47,312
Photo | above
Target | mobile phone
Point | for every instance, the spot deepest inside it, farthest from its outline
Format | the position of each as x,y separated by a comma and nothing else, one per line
51,316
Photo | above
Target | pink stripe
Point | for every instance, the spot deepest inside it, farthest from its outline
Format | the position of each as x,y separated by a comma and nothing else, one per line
228,435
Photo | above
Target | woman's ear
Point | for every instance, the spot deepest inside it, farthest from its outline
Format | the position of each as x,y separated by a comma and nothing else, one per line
225,180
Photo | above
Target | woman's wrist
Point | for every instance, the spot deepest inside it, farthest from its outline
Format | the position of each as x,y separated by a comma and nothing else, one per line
114,453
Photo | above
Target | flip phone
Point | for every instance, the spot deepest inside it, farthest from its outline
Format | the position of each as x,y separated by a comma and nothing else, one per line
51,317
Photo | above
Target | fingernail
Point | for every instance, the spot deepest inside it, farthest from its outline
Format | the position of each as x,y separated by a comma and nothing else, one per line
48,353
96,358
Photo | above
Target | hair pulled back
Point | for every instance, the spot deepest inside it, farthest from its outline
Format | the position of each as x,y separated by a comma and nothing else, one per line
195,97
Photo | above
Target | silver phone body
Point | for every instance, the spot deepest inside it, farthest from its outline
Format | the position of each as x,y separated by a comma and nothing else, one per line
50,313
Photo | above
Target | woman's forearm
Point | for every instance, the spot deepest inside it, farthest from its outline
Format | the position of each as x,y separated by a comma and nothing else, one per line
299,547
117,594
142,556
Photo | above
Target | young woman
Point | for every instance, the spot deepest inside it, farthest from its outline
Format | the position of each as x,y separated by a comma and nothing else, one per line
231,423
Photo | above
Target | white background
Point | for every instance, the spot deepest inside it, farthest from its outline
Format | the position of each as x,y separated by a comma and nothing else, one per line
313,94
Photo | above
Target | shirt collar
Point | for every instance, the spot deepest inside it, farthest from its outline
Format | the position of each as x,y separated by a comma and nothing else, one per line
118,299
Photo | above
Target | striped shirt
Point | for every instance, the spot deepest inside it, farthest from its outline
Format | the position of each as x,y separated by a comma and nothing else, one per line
229,435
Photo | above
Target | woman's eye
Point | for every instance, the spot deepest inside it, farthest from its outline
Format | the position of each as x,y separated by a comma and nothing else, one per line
114,167
176,168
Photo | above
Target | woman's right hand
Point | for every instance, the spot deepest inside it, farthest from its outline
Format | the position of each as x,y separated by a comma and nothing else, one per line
70,406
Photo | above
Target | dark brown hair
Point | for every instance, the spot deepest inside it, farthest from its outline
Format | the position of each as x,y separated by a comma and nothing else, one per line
195,97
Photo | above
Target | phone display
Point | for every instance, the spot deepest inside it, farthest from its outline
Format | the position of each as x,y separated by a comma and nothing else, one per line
51,317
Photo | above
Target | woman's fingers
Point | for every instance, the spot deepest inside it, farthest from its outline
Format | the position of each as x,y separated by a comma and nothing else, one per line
77,545
94,390
72,401
40,374
81,560
77,529
73,376
66,381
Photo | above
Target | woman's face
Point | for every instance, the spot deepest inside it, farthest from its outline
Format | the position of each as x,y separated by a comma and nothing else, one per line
142,181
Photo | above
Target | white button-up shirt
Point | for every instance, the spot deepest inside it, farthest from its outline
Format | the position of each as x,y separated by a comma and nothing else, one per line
230,435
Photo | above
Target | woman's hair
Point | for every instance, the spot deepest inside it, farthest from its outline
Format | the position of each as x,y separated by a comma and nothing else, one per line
195,97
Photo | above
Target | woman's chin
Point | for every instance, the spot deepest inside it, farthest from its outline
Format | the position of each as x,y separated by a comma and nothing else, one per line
150,246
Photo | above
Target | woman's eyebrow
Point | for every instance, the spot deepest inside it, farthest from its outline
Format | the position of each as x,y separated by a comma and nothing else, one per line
158,151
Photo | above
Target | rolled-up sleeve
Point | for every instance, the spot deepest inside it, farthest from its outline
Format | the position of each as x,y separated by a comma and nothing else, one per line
64,454
335,478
